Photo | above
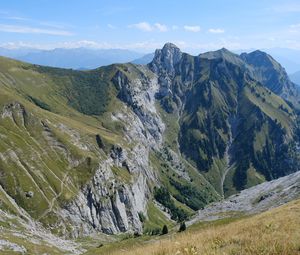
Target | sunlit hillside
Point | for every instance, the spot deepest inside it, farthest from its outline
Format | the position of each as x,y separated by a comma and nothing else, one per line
273,232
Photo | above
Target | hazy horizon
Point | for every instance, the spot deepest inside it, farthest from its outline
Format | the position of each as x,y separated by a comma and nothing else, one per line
144,26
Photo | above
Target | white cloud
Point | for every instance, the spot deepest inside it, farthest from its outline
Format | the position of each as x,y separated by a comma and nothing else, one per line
148,46
17,18
83,44
18,45
295,28
147,27
142,46
65,45
161,27
143,26
216,30
192,28
111,26
174,27
55,25
32,30
286,8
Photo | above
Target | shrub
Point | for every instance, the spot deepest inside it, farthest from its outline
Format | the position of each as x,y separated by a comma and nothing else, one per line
164,230
163,196
39,103
142,217
155,231
182,227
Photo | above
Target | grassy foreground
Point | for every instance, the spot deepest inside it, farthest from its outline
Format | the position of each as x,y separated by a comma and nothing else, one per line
273,232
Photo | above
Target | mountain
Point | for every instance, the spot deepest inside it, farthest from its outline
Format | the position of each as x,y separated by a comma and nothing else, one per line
288,58
128,148
144,60
77,58
273,75
295,77
242,215
15,53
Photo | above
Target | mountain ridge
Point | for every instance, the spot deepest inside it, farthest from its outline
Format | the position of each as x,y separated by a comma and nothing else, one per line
90,150
75,58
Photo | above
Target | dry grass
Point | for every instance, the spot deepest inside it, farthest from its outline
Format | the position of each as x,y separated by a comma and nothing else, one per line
274,232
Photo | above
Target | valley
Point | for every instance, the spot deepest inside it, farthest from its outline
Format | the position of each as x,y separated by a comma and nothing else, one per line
108,156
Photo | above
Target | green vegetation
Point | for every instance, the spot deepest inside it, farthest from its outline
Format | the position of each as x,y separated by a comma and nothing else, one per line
182,227
162,195
164,230
42,144
40,103
85,91
122,174
188,195
181,189
156,219
216,100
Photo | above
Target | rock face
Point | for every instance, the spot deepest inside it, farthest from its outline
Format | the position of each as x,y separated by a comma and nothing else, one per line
85,152
139,94
166,59
254,200
163,64
107,205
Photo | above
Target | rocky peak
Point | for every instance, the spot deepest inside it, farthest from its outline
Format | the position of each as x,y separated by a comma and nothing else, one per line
260,59
166,58
271,74
225,55
170,46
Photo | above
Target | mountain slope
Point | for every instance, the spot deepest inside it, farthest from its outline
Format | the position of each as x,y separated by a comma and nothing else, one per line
254,200
80,165
272,232
89,151
272,75
227,117
295,77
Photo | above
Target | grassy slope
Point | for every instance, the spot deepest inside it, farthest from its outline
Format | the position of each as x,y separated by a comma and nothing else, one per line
198,182
44,169
219,89
268,104
62,92
29,161
273,232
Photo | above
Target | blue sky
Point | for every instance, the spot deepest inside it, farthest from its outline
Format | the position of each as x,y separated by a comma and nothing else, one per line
146,25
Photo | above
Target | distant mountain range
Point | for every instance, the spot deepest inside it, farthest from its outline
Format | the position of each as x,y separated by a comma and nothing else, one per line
84,58
146,59
295,77
77,58
288,58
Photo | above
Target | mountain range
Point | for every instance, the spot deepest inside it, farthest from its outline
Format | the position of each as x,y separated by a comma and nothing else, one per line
295,77
128,148
88,58
75,58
